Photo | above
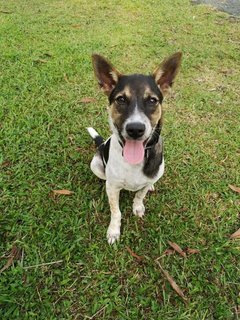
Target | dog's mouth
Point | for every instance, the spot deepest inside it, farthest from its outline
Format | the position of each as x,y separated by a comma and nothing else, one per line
134,149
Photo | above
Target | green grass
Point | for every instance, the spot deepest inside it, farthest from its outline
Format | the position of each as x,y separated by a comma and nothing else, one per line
45,71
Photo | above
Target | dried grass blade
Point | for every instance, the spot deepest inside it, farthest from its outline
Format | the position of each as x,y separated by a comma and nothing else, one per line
62,192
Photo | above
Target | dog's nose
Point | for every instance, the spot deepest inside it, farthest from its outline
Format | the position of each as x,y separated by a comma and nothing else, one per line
135,129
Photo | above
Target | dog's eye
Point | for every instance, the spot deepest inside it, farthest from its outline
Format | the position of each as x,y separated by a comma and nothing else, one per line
152,100
121,100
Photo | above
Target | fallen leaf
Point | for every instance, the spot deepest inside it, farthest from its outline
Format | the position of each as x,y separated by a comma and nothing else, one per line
172,282
235,235
87,100
47,55
76,25
13,255
63,192
6,12
5,164
133,254
40,61
177,248
168,252
234,188
192,251
183,210
227,71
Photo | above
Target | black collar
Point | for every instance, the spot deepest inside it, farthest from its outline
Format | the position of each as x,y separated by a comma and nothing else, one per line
153,140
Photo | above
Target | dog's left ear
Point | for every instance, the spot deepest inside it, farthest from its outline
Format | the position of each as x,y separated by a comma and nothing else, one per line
106,74
165,74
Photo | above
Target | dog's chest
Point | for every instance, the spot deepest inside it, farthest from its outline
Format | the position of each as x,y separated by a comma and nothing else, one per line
122,174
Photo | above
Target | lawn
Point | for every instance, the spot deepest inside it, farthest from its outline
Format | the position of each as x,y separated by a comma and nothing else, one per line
61,265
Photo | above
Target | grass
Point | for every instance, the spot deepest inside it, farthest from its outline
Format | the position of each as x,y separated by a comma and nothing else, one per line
45,71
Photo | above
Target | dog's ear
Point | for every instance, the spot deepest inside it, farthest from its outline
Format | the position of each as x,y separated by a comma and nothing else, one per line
164,75
106,74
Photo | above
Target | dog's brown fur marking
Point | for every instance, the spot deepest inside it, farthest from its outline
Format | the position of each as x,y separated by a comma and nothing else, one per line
156,115
115,115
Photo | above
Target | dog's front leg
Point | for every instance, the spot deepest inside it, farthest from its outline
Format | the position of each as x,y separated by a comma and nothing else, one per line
113,232
138,206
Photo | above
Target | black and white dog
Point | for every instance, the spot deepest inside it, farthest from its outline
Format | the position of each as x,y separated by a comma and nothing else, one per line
132,158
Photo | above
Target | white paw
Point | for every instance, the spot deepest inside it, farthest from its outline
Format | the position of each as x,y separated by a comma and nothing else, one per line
113,234
139,210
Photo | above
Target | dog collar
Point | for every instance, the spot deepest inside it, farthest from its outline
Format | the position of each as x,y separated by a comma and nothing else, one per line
153,140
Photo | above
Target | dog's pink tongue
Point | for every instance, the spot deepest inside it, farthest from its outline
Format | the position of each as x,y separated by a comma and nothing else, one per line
133,151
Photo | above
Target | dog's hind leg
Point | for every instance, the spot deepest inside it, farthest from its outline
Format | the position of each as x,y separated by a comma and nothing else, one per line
97,167
138,206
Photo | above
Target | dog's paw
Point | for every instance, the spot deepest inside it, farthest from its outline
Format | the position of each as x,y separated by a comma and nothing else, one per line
139,210
113,234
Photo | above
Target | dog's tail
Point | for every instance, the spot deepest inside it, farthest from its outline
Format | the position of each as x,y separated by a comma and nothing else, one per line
96,137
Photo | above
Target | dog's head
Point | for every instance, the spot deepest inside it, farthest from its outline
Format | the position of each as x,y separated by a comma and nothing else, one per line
135,102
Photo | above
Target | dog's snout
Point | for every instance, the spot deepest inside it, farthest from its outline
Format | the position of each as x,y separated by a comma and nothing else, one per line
135,129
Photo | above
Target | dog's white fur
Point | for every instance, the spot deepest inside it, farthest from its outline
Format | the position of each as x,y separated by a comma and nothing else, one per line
119,174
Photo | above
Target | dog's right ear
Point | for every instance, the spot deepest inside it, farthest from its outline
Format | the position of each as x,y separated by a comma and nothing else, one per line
106,74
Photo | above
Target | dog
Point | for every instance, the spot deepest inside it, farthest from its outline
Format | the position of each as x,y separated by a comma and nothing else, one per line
132,158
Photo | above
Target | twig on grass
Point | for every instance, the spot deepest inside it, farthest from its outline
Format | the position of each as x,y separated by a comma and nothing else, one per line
172,282
43,264
65,292
95,314
40,299
22,257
